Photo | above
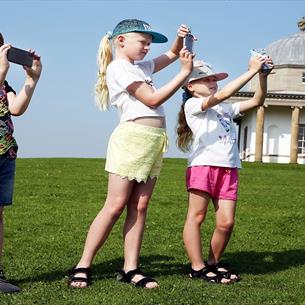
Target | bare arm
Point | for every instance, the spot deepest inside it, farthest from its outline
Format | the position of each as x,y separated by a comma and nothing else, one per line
154,98
4,64
260,93
18,104
171,55
255,65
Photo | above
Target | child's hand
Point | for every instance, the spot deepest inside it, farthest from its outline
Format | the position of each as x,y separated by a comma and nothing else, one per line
35,71
184,30
186,60
4,64
256,62
269,62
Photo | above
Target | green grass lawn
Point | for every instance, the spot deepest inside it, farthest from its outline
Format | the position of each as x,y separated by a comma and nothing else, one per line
56,200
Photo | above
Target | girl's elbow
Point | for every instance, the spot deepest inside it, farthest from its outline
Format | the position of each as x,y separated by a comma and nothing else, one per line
259,102
152,103
16,111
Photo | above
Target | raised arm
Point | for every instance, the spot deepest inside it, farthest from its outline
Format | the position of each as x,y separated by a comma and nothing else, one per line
4,64
18,104
255,65
154,98
260,92
171,55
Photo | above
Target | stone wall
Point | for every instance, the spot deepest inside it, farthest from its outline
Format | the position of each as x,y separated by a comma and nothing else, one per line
284,78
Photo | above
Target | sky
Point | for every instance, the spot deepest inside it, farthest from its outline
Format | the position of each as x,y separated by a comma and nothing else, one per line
62,119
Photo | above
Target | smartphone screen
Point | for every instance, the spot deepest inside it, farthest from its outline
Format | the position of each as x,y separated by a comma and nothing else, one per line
20,57
188,42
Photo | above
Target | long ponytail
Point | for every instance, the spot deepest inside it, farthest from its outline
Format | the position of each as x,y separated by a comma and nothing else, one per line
104,58
184,133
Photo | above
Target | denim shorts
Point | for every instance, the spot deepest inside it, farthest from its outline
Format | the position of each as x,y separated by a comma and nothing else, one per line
7,175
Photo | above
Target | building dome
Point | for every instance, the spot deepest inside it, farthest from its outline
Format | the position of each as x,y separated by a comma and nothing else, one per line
290,50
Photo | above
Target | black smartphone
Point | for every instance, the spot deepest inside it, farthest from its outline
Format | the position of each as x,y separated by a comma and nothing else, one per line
20,57
188,42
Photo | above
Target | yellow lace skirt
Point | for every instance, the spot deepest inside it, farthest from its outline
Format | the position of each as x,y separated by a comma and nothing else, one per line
135,151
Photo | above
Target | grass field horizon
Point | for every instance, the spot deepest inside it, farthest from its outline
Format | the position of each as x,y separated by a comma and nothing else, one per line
57,198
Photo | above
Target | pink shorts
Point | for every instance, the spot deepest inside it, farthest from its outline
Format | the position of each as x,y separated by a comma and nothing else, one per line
218,182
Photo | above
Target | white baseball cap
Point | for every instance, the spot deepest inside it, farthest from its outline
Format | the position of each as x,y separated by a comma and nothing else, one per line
202,69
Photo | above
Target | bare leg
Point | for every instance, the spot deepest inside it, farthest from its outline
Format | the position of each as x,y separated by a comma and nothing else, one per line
134,226
225,214
119,190
198,204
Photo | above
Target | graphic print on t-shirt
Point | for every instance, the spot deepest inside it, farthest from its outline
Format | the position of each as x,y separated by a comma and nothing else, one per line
226,122
149,82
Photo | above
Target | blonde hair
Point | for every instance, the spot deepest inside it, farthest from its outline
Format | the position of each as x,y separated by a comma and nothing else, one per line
104,58
184,133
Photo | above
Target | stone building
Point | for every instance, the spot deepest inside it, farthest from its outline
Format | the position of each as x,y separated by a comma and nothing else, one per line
275,132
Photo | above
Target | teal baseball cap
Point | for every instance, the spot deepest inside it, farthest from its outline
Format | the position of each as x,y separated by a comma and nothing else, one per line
135,25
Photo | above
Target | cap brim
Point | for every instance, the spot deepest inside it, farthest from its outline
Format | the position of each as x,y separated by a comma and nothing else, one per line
219,76
156,37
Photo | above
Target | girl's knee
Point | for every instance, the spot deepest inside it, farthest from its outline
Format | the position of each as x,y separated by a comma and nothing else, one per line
115,207
116,211
197,218
226,226
142,206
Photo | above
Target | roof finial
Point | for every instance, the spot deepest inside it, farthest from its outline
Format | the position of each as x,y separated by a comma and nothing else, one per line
301,24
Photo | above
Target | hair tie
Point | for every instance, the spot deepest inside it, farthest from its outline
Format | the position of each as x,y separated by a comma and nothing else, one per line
185,96
109,35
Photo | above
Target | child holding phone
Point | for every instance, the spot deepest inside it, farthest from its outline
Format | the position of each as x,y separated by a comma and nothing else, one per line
206,129
16,105
136,146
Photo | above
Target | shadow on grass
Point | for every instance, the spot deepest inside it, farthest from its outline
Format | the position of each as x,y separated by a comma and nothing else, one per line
154,265
247,262
252,262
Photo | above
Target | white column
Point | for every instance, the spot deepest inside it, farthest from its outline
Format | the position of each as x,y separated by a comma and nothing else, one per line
259,138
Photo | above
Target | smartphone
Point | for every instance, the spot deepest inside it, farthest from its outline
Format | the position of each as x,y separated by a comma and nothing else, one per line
20,57
188,42
253,52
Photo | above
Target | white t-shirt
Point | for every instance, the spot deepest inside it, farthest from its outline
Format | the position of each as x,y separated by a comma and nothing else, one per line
119,75
214,134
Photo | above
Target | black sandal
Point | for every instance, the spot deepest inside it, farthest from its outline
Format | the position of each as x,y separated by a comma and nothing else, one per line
127,277
224,271
72,278
203,274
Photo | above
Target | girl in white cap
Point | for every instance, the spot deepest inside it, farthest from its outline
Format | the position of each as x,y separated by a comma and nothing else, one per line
136,146
206,129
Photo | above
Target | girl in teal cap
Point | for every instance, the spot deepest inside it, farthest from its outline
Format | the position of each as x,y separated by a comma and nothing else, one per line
136,146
